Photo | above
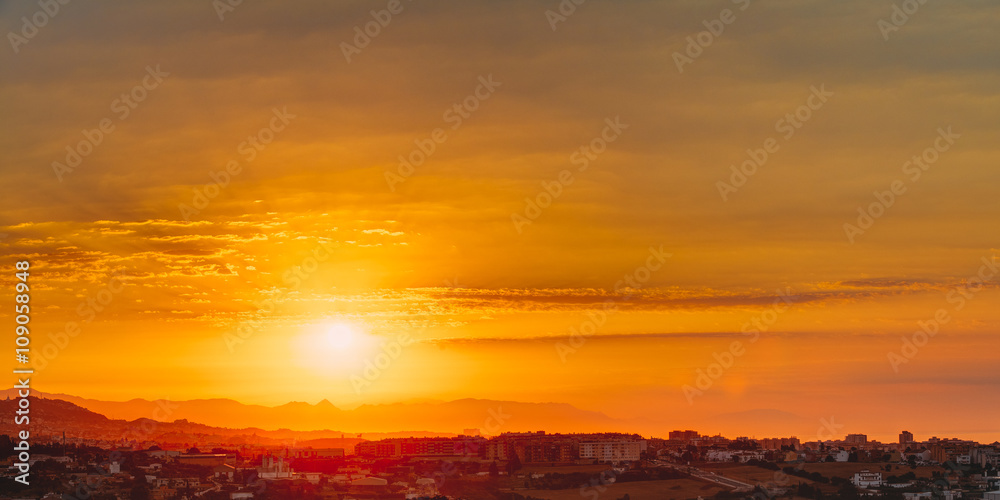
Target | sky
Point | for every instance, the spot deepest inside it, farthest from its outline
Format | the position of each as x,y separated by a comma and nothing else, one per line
505,200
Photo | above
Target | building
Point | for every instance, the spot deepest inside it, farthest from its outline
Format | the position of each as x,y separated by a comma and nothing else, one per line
425,488
612,451
905,437
271,469
225,472
939,453
499,449
867,479
546,451
368,486
779,443
683,435
211,460
316,453
421,447
856,439
982,456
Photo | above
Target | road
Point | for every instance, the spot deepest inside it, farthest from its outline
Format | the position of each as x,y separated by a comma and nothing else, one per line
709,476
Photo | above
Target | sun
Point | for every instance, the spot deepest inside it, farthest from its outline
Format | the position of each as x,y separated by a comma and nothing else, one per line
336,348
339,337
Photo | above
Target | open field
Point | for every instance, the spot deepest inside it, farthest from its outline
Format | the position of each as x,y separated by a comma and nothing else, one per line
752,474
847,469
563,469
669,489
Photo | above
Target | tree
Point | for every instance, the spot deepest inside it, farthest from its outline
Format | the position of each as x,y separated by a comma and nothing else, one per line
513,465
848,491
806,490
139,492
494,470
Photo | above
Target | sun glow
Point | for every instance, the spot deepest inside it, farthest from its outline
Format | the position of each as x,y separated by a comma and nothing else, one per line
335,348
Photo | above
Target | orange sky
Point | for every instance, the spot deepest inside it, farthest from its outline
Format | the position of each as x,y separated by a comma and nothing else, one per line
352,258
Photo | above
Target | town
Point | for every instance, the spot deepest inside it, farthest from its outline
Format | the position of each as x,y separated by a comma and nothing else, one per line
514,466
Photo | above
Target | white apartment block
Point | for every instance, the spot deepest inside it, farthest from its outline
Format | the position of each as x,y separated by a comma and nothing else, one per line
867,479
612,451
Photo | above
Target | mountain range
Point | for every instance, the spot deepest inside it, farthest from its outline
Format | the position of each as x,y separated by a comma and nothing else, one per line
298,421
451,417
